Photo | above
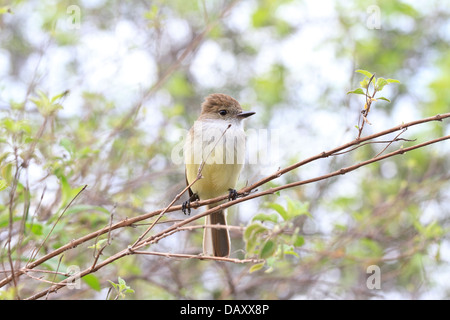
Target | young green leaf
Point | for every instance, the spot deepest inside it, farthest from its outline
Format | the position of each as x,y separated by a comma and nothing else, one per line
364,72
3,184
253,229
364,84
92,281
266,217
7,173
381,82
299,241
268,249
357,91
256,267
98,245
278,208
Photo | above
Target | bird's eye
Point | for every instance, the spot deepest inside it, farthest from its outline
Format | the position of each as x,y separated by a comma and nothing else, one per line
223,112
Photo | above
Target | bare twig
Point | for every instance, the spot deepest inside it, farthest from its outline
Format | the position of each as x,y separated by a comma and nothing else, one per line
366,110
200,257
387,146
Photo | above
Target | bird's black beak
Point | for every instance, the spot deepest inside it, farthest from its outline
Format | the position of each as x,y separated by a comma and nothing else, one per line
245,114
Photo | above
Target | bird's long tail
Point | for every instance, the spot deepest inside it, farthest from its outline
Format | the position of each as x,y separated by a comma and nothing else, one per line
216,241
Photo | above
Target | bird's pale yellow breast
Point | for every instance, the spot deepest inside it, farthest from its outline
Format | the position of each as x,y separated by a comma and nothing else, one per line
222,149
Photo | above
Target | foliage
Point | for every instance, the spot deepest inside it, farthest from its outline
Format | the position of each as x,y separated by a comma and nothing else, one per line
121,288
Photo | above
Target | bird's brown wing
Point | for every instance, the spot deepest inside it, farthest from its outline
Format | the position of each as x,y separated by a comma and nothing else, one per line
187,183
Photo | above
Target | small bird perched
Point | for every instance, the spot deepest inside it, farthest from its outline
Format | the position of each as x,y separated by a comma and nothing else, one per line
216,142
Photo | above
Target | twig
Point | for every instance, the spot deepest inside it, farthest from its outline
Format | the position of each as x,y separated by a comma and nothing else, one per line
54,275
395,139
366,110
373,142
200,257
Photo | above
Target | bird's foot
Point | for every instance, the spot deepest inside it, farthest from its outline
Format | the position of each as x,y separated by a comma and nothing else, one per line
186,206
233,194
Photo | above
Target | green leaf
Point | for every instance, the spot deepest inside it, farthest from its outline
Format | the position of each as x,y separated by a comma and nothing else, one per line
152,13
266,217
278,208
253,229
7,173
113,284
59,96
296,208
67,192
392,81
68,145
261,17
381,82
268,249
36,228
5,9
364,72
93,282
287,249
299,241
45,105
251,236
383,98
18,126
365,83
3,184
357,91
98,245
256,267
121,287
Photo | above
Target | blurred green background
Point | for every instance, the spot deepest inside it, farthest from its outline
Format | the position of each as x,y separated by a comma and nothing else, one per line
99,93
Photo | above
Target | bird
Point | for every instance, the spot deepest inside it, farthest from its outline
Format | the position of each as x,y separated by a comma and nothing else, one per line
215,144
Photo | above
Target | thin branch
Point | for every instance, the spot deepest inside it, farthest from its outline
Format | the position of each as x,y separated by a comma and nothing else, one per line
395,139
199,257
374,142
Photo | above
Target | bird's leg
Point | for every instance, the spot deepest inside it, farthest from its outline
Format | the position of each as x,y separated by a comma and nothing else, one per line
232,195
187,204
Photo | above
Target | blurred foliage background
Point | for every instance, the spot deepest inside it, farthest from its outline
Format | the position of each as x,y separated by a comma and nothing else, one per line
99,93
